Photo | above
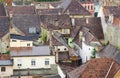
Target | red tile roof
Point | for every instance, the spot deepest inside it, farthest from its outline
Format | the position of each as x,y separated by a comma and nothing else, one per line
96,68
5,57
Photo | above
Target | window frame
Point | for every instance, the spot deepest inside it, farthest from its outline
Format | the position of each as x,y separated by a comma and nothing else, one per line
3,69
33,62
47,61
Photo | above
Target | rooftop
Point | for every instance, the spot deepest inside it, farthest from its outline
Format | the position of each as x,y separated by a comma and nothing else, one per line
110,51
6,63
33,51
21,10
115,10
27,24
2,10
73,7
4,25
96,68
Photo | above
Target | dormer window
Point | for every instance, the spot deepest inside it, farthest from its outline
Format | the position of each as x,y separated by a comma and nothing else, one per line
32,30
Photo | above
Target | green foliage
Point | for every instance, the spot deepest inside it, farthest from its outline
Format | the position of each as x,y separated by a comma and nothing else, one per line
94,53
8,52
44,35
1,1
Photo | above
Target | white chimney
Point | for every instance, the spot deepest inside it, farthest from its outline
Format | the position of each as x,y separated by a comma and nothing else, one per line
59,13
111,18
83,39
73,21
87,21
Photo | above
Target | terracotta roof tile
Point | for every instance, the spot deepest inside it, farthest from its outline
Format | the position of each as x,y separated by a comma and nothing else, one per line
5,57
96,68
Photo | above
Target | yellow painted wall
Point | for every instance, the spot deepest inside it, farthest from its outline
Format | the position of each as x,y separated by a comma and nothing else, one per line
117,74
20,43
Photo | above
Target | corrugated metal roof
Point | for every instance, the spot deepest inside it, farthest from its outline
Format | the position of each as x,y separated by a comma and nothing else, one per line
6,63
29,38
34,51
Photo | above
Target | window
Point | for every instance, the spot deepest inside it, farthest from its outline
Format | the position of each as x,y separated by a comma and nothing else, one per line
3,69
32,30
19,62
65,49
19,65
88,7
66,31
47,61
91,7
58,49
28,44
14,40
33,62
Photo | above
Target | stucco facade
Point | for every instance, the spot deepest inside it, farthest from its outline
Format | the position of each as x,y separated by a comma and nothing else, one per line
20,43
7,73
4,43
39,62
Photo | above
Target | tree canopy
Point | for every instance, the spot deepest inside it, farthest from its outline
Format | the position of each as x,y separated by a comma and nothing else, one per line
1,0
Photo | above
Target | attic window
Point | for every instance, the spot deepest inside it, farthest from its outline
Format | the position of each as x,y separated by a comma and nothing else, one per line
32,30
65,49
58,49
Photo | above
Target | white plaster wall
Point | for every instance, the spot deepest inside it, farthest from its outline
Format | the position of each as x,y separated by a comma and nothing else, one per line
86,52
40,62
8,72
20,43
102,16
61,48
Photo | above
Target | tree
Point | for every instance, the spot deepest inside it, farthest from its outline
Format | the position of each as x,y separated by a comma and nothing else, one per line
94,53
1,1
44,35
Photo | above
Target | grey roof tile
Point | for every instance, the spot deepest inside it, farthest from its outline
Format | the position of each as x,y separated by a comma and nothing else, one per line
30,51
6,63
4,25
2,10
25,22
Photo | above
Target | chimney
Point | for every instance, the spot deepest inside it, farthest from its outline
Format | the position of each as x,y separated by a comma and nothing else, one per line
73,21
111,18
87,21
59,13
83,39
68,12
